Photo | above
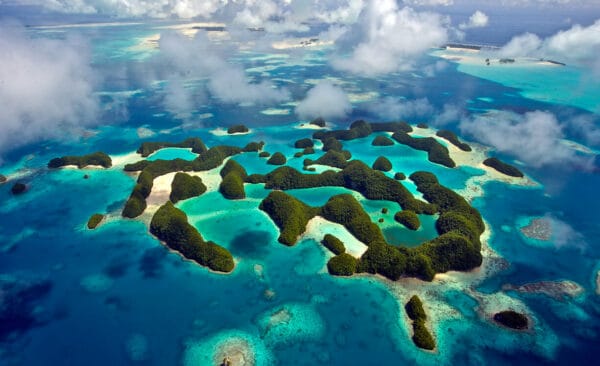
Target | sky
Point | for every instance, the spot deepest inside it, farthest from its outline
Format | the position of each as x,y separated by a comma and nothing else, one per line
398,32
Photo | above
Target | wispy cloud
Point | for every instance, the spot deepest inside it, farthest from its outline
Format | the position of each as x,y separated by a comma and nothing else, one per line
534,138
182,59
390,39
324,100
478,20
46,88
577,44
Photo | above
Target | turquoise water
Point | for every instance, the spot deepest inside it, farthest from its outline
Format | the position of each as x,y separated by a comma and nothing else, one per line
117,296
173,153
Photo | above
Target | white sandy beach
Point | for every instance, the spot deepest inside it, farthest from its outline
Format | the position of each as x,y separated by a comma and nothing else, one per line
317,227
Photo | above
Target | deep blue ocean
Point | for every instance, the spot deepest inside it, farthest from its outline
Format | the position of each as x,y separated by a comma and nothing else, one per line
116,296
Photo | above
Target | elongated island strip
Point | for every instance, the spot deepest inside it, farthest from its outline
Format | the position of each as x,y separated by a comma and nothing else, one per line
237,129
170,225
421,335
148,148
95,159
503,167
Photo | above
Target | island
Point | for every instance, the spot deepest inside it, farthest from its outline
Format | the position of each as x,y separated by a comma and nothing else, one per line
511,319
382,141
319,122
232,184
148,148
264,154
383,164
18,188
237,129
304,143
277,159
453,139
503,167
399,176
436,152
98,159
335,245
421,336
170,225
94,221
409,219
342,265
2,179
185,186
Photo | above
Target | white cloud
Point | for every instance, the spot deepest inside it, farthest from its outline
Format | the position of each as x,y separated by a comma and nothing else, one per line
577,45
450,113
396,108
533,138
429,2
391,38
230,85
135,8
46,87
182,58
478,20
520,46
324,100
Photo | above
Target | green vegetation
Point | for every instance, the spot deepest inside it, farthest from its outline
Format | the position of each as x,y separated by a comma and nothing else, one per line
422,125
384,210
382,163
289,214
18,188
210,159
94,221
436,152
342,265
357,129
185,186
232,185
399,176
196,144
414,309
503,167
304,143
237,129
2,179
254,146
264,154
421,336
453,139
298,154
331,143
356,176
277,159
333,158
318,122
170,225
344,209
512,319
360,128
382,141
335,245
409,219
308,151
97,158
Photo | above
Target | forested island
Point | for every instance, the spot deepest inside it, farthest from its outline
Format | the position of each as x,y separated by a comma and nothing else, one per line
503,167
458,224
98,158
